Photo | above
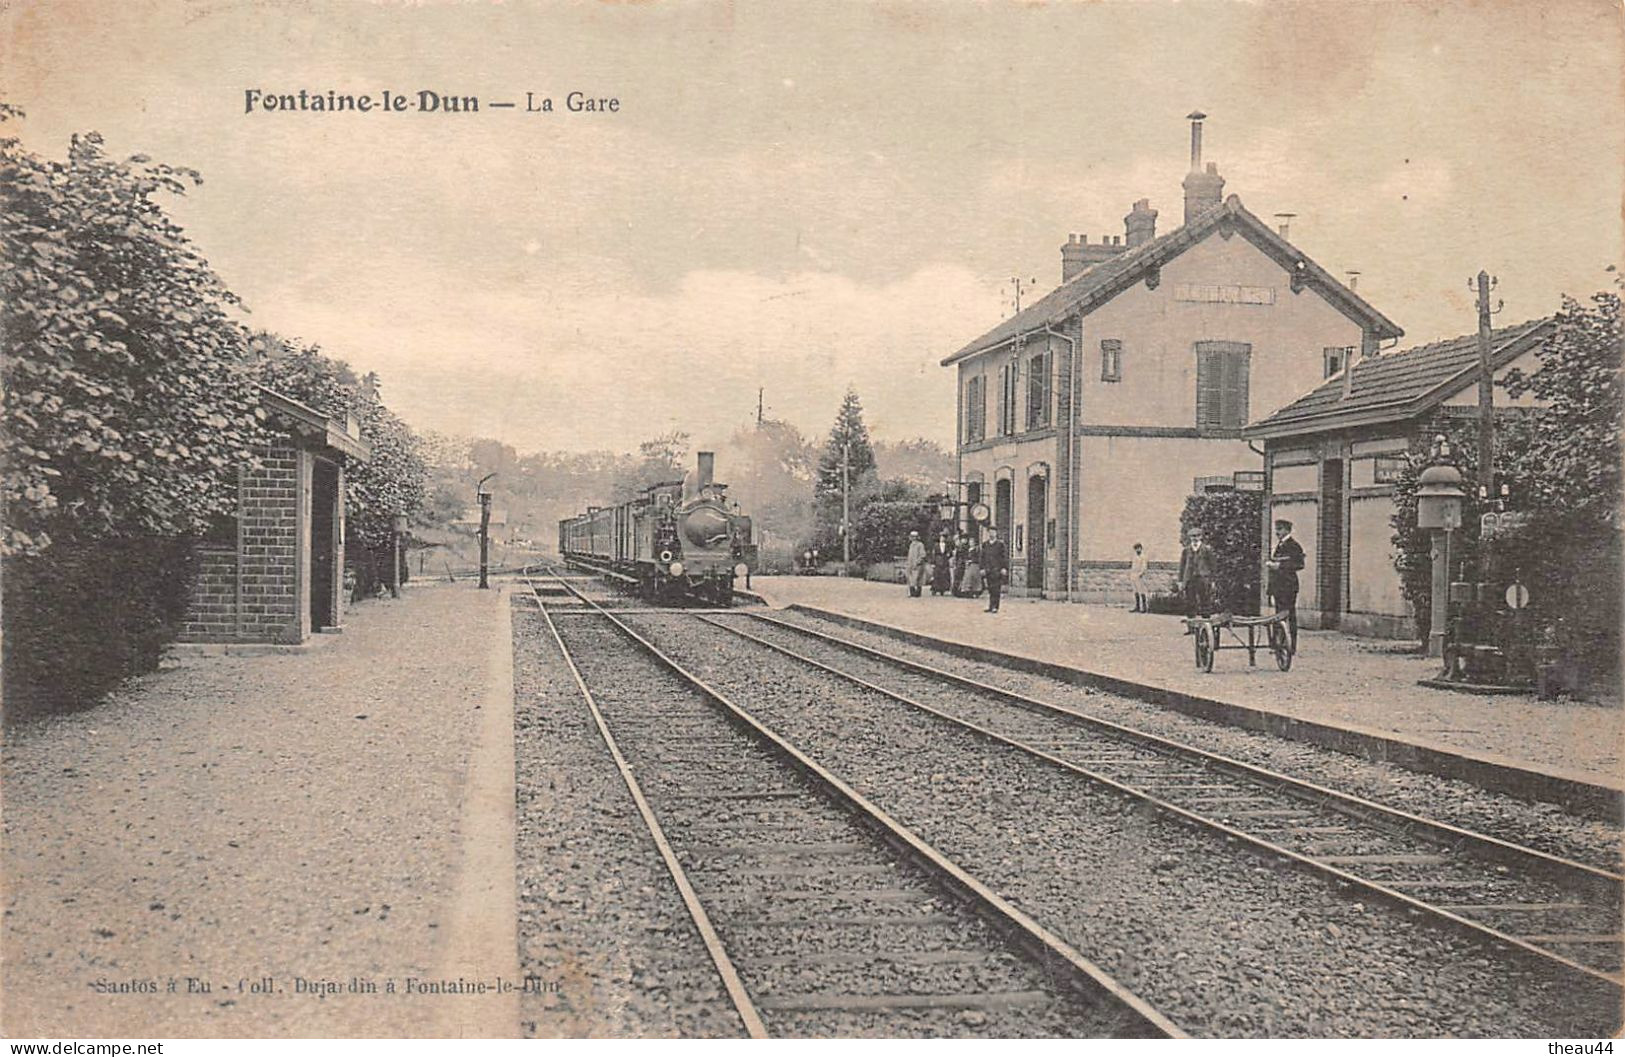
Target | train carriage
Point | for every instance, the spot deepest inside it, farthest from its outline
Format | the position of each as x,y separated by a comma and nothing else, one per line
675,538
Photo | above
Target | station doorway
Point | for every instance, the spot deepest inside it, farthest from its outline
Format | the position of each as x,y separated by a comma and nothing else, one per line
323,559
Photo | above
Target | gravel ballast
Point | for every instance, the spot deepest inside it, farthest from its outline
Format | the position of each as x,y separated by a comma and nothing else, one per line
600,921
821,917
1546,827
1221,941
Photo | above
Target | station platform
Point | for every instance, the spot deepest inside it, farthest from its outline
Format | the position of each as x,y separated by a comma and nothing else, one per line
1344,692
272,845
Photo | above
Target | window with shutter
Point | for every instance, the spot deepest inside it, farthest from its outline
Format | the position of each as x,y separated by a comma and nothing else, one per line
1007,399
976,409
1222,382
1233,415
1004,383
1038,391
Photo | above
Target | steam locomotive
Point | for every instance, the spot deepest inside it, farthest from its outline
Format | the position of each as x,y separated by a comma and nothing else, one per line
674,539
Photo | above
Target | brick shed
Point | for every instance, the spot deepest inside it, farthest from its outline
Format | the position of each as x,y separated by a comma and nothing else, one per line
274,572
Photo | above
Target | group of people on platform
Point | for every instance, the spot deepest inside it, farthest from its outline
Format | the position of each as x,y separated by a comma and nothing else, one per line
962,567
958,566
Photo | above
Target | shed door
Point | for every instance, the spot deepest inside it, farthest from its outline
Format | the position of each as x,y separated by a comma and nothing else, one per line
1329,567
324,512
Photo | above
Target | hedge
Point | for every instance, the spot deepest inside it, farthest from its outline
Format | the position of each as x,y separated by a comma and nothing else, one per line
84,615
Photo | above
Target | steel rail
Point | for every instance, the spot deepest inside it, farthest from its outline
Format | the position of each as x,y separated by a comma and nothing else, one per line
1251,841
1611,886
742,1003
1051,952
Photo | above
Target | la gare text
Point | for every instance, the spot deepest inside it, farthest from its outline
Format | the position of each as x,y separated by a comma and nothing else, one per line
423,101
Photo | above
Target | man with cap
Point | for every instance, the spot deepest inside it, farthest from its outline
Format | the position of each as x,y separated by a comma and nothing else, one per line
916,564
1197,566
995,564
1285,561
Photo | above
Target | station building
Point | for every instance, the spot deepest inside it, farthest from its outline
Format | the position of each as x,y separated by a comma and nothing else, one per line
1086,419
1332,455
273,572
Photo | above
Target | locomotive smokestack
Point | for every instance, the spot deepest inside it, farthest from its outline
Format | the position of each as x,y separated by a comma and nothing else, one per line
707,469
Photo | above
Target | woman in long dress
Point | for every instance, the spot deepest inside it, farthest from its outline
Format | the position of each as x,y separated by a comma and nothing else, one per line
941,560
973,572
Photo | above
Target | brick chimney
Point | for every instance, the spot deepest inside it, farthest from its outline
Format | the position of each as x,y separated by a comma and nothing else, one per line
1140,224
1204,188
1079,253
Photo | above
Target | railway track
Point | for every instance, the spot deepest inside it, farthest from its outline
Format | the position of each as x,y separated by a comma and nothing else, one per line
1561,916
581,574
822,915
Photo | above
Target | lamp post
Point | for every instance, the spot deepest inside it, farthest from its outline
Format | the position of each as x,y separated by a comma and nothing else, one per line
485,529
1438,509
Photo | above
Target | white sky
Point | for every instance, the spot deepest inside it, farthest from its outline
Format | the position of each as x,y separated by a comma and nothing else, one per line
802,196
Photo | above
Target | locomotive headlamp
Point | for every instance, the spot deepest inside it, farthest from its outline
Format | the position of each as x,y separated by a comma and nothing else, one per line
741,569
677,568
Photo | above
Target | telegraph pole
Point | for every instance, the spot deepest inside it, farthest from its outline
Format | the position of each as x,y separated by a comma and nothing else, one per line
1020,287
846,508
1486,389
759,391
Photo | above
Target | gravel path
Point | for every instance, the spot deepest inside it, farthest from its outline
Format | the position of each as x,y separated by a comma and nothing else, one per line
235,818
1222,942
1535,824
599,917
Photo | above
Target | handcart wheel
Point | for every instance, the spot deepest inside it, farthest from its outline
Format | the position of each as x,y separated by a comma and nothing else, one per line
1204,647
1281,646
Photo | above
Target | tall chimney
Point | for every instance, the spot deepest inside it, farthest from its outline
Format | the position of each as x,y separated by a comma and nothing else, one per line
1204,188
1072,258
707,469
1141,223
1079,253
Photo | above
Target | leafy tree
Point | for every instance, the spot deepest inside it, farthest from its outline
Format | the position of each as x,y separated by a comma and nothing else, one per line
1567,456
919,461
880,532
391,482
768,467
128,407
1562,464
1229,521
446,455
129,403
660,458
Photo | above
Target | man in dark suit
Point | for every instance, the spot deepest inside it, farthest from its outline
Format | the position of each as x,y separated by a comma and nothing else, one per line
1197,566
995,563
1285,561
